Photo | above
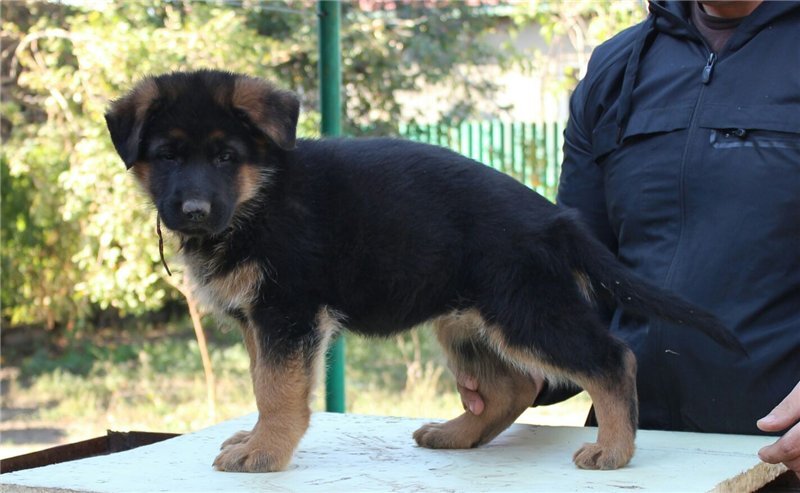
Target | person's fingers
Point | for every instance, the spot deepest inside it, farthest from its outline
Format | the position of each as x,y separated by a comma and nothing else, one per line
470,382
786,450
784,415
470,398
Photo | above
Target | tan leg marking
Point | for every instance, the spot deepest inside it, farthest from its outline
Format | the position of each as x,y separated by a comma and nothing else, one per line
248,335
283,393
614,400
616,408
506,391
509,390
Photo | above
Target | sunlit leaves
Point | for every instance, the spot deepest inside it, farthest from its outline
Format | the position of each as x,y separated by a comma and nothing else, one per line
77,235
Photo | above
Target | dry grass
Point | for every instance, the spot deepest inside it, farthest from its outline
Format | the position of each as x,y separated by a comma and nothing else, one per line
161,388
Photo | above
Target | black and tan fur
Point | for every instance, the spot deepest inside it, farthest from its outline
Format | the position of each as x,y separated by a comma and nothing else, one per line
297,239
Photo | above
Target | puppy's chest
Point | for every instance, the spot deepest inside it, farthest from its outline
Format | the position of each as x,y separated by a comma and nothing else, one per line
225,291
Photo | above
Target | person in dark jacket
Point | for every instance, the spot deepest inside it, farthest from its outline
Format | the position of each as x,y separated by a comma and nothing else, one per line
682,154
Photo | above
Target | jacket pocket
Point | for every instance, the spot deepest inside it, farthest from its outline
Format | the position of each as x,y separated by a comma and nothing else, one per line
730,138
759,127
642,124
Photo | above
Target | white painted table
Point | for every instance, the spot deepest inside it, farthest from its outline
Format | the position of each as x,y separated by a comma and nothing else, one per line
353,453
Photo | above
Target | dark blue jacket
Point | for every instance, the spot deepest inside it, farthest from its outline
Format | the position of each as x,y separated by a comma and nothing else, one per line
686,163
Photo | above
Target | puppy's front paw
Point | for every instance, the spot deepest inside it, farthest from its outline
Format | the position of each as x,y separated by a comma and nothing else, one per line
596,456
238,437
249,456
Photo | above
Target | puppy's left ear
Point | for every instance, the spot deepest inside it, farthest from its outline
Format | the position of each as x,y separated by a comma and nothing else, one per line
126,119
273,111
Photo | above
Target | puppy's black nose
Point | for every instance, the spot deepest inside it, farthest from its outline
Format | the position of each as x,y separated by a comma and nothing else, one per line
196,210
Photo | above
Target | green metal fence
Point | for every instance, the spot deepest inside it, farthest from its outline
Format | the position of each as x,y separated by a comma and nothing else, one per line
530,152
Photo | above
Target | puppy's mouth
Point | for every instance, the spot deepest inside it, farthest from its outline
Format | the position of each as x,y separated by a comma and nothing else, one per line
185,233
199,231
194,231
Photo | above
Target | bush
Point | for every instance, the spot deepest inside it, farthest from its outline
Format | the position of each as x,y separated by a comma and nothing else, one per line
77,237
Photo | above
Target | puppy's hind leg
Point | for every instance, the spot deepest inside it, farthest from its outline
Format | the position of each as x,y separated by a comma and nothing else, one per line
571,343
616,408
506,390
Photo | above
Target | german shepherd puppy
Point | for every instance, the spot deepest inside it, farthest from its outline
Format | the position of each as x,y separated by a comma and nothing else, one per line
298,239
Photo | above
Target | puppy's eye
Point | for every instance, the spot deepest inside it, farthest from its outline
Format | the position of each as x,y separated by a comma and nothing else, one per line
167,155
225,157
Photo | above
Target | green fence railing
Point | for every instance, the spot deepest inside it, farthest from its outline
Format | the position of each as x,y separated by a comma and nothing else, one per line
530,152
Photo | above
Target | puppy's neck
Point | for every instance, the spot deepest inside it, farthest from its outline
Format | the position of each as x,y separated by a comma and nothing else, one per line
205,256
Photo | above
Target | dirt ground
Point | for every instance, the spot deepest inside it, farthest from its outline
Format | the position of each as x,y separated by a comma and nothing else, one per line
20,431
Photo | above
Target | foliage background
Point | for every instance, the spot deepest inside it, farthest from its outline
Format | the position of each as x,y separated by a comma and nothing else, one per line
77,237
78,240
80,272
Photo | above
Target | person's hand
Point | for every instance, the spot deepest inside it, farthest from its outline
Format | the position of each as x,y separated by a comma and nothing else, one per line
787,448
470,397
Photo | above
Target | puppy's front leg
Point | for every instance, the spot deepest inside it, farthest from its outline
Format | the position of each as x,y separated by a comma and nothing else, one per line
282,383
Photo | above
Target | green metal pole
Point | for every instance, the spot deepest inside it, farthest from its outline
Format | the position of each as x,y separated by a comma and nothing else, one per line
330,67
330,75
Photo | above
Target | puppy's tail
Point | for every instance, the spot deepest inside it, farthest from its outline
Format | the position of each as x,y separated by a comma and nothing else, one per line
636,295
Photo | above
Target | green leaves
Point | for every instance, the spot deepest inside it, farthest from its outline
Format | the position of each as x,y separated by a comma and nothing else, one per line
78,236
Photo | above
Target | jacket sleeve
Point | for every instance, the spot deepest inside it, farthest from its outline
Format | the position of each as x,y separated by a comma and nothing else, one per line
581,183
581,188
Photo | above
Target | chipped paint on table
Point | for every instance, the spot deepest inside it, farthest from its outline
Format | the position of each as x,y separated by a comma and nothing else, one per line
354,453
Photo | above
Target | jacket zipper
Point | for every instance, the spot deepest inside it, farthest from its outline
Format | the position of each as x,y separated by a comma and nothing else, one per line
712,57
706,74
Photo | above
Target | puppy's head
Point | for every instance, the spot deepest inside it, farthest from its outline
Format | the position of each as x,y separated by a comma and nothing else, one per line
202,143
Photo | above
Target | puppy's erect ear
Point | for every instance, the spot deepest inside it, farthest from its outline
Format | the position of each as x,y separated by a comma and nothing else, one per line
273,111
126,119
